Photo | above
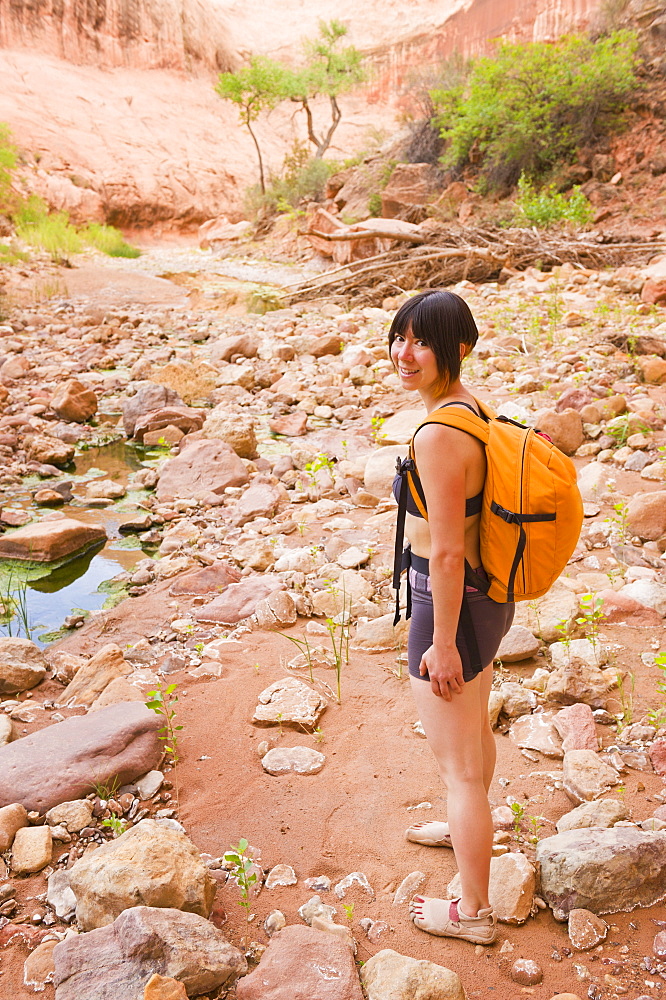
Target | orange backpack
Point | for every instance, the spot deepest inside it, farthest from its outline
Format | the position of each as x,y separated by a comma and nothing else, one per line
532,510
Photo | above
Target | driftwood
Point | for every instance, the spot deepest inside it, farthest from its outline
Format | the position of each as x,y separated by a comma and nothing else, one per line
368,234
451,255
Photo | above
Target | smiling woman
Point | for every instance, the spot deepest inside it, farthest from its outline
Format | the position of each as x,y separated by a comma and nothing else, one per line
455,630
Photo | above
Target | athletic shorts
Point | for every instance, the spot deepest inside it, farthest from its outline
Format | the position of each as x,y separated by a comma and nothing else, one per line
491,622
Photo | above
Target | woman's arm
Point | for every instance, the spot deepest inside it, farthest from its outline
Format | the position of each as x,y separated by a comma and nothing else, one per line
443,456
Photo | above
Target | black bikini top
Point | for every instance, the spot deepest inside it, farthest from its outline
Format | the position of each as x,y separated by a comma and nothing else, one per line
473,504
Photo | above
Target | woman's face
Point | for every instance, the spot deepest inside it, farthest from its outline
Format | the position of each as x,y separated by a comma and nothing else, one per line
414,362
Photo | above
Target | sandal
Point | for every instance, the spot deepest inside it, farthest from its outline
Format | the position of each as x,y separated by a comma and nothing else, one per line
444,918
430,834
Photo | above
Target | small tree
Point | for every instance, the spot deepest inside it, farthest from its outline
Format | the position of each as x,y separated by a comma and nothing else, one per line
254,89
329,71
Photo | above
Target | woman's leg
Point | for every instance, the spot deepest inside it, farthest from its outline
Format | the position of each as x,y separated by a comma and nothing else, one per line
460,737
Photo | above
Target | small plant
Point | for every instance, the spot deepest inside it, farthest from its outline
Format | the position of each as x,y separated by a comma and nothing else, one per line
279,717
376,433
106,790
304,647
115,823
349,911
626,690
199,648
318,734
241,869
518,812
618,521
562,628
535,824
338,630
546,207
592,613
657,716
319,462
534,608
162,701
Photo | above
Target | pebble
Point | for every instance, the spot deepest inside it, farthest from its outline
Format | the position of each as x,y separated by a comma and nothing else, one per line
526,972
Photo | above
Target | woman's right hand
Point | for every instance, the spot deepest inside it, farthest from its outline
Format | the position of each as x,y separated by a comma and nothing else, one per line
444,668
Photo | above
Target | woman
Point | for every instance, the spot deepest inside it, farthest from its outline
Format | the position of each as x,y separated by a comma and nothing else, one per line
429,337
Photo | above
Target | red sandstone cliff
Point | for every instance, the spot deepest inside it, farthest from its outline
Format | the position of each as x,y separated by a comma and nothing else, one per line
113,101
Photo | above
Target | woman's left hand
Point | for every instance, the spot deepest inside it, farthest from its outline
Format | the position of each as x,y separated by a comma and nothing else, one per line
444,668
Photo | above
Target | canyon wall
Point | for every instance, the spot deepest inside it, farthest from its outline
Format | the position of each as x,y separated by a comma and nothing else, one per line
112,101
146,34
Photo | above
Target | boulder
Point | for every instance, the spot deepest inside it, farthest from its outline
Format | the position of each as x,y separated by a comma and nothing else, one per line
243,345
410,185
511,890
148,397
537,732
32,849
399,428
516,699
544,615
289,702
209,580
220,230
564,428
518,644
294,760
380,635
164,988
620,607
38,968
183,419
657,753
74,816
388,975
577,728
148,865
236,429
303,962
603,813
278,610
49,450
51,541
380,469
239,600
647,592
646,515
604,871
260,500
202,471
586,776
575,682
117,742
73,401
593,480
116,961
586,929
293,424
22,665
106,665
12,819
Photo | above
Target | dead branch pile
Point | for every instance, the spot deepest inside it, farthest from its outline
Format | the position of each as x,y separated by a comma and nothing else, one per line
472,254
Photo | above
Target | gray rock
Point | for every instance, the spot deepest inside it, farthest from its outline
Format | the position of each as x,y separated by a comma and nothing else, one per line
295,760
149,784
380,635
518,644
289,702
575,682
586,776
32,849
315,908
603,814
74,816
388,975
114,962
22,665
59,894
148,865
117,742
604,871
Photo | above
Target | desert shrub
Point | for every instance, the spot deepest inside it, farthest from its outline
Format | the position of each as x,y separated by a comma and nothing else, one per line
109,240
531,105
303,178
50,231
546,207
375,205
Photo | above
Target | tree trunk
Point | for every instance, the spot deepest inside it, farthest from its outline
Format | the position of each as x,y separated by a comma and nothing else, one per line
261,162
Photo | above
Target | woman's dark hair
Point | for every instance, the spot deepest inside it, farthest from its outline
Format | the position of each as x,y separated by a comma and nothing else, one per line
443,321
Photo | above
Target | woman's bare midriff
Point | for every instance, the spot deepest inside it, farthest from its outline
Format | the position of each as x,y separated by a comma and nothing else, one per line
418,535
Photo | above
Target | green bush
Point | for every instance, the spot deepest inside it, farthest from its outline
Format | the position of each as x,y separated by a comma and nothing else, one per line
109,240
50,231
531,105
375,205
303,179
546,207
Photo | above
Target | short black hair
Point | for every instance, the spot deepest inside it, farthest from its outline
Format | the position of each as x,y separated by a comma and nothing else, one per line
443,321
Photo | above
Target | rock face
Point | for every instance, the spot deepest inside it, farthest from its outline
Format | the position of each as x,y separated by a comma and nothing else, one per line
202,471
117,960
22,665
391,976
149,865
301,961
51,541
120,740
603,870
